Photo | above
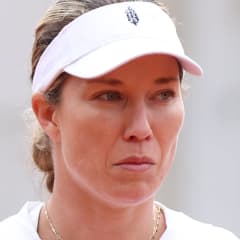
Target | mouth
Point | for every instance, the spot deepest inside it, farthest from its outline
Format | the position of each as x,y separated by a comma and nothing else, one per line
135,164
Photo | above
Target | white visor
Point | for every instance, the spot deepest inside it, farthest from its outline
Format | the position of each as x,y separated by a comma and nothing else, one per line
105,38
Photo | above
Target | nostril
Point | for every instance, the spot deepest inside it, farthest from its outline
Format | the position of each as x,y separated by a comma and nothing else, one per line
132,138
138,138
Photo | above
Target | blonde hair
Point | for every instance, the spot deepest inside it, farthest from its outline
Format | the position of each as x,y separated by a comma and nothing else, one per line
57,16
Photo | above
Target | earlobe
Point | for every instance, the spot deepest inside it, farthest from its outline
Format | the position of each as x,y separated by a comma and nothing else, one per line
46,116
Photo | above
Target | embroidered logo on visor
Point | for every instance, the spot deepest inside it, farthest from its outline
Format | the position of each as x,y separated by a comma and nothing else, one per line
132,16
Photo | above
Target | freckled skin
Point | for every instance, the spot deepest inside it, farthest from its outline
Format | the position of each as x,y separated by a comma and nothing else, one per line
99,124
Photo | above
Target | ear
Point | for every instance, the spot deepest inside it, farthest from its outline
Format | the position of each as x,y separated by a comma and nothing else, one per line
46,115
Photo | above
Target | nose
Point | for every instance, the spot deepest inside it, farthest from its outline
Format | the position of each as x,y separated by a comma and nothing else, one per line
137,125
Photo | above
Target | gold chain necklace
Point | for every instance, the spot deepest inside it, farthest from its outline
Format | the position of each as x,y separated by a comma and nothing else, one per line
53,229
156,222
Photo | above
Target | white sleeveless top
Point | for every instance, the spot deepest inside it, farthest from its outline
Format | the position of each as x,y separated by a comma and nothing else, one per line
23,226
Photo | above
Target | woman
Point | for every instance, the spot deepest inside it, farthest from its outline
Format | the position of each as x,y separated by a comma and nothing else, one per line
107,94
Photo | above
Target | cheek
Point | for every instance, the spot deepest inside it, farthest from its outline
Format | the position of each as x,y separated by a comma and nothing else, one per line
87,134
167,129
176,118
168,125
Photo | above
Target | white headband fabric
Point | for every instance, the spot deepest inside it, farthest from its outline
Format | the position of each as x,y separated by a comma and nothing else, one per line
103,39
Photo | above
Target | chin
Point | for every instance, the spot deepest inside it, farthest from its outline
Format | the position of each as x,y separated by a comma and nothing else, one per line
131,196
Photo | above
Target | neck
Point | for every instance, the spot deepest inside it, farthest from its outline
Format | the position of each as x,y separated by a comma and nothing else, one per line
78,214
97,219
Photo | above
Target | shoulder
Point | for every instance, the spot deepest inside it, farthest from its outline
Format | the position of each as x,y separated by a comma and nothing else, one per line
205,231
23,225
181,226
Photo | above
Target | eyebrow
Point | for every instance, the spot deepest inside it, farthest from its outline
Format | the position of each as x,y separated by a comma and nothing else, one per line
109,81
116,82
165,80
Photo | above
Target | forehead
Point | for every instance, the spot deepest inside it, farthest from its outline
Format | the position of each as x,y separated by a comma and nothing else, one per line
150,67
138,73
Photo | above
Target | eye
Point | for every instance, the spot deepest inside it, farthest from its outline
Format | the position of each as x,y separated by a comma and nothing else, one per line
110,96
164,95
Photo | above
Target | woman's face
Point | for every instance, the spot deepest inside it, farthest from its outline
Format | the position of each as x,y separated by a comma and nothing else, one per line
118,133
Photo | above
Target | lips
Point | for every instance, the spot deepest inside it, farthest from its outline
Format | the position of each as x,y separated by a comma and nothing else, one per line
137,164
